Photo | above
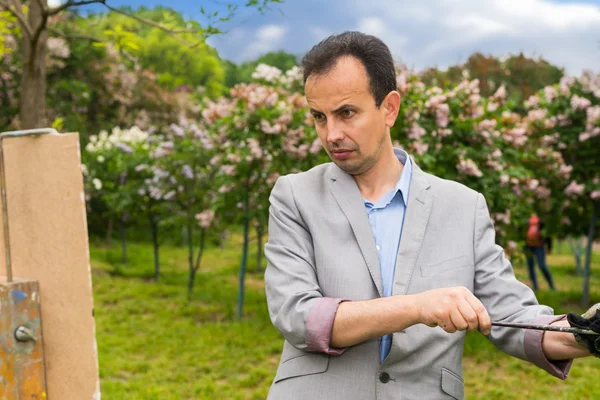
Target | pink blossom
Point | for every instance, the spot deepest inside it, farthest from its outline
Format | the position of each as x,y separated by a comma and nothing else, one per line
593,116
537,114
468,167
580,103
442,133
532,101
550,93
487,124
500,94
542,192
532,184
187,172
169,195
205,218
435,101
254,146
504,179
574,189
583,136
419,147
492,106
595,195
416,132
442,115
228,169
316,146
272,178
565,170
234,158
268,129
565,84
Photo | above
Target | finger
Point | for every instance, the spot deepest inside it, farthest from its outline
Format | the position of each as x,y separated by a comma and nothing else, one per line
469,314
485,323
458,320
448,326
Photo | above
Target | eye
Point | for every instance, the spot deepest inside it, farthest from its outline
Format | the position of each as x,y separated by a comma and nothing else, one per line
347,113
319,117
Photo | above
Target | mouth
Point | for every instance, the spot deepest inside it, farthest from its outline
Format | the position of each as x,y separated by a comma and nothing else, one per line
341,154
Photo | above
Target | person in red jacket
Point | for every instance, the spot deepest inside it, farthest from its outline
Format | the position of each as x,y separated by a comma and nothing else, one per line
536,246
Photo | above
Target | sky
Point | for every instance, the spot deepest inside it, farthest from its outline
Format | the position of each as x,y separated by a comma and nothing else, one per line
419,33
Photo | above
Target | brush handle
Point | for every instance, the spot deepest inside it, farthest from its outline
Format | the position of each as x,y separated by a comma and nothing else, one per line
566,329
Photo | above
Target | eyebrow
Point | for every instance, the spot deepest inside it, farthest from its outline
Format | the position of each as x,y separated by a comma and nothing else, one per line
337,110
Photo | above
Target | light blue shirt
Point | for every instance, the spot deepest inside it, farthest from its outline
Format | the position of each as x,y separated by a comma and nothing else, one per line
386,219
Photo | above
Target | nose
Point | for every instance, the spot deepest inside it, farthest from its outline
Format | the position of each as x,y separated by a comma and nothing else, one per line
334,131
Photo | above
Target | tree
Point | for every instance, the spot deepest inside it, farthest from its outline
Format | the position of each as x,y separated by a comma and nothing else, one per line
35,21
243,73
520,75
574,108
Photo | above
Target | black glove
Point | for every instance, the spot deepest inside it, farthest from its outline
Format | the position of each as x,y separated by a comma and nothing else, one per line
591,321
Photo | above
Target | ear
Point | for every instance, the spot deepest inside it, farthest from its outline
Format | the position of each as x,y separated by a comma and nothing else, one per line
391,107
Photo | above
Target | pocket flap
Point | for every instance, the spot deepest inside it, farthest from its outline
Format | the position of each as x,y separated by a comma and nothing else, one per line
447,265
452,384
306,364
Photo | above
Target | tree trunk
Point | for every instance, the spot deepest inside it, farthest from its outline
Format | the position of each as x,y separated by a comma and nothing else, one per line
576,250
244,263
588,254
109,231
33,82
259,249
196,267
123,241
154,226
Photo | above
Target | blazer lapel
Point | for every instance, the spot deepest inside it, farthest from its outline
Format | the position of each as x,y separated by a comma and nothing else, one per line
346,193
420,201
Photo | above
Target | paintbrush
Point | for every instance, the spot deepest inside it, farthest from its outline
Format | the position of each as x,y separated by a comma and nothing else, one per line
554,328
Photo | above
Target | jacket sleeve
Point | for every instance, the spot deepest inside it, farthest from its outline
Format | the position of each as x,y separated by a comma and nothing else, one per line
296,304
508,300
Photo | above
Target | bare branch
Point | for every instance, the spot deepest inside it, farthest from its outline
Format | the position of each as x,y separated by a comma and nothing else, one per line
80,37
17,12
71,3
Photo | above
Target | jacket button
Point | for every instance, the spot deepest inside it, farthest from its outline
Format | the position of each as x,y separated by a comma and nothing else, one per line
384,377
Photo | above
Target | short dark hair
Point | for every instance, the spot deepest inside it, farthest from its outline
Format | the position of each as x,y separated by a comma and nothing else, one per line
374,55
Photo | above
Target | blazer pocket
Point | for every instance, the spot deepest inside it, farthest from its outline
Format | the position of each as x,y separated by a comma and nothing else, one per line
452,384
444,266
306,364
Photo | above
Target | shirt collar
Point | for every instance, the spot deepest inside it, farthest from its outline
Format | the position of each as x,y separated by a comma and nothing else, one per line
403,184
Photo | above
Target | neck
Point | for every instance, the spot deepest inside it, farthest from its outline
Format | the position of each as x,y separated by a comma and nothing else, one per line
382,177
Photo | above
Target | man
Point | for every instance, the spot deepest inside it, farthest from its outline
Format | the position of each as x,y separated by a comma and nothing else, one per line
375,268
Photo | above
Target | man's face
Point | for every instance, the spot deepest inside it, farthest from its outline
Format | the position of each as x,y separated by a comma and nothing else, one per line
352,129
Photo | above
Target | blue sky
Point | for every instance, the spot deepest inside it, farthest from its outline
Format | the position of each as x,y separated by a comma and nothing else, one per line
419,33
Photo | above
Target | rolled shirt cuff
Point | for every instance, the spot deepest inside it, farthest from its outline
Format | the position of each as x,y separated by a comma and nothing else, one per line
319,324
535,353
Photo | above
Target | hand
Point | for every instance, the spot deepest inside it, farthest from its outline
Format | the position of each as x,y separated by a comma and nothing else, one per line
589,320
453,309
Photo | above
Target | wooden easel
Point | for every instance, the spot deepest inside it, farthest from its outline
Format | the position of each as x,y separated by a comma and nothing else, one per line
47,332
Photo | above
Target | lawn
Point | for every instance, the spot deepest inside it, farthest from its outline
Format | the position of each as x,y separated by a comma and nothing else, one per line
155,344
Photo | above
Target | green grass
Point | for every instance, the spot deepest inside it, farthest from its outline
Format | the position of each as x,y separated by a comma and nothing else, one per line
154,344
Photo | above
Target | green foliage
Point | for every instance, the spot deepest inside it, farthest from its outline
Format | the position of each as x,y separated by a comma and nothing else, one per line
520,75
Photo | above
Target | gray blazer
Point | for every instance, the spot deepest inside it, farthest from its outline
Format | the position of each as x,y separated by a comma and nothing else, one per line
321,245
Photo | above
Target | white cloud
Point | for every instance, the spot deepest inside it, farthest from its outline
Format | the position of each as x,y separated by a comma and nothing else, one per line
378,27
267,38
444,32
54,3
